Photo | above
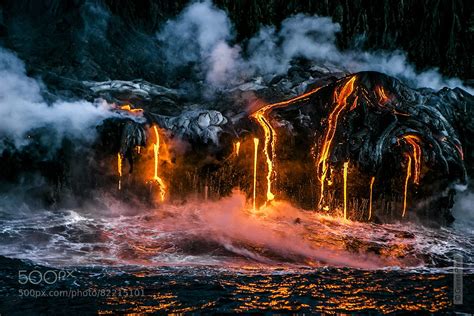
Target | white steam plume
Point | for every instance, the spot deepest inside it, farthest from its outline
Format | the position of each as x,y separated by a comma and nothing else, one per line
22,107
202,34
463,211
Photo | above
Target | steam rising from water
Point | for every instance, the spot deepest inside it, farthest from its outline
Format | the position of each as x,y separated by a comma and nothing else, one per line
225,234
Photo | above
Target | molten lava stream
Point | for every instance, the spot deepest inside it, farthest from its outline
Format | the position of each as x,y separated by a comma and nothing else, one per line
406,186
346,166
414,141
372,180
340,97
383,98
119,169
237,148
156,152
128,108
271,137
255,141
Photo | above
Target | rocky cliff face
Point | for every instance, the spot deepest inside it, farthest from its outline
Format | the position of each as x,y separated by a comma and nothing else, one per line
69,38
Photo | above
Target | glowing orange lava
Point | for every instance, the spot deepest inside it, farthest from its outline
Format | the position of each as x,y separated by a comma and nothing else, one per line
340,98
119,169
270,136
237,148
372,180
156,151
406,185
383,98
255,141
128,108
414,141
346,166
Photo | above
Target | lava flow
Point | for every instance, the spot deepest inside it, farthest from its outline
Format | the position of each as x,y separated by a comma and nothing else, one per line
405,191
271,137
346,166
128,108
237,148
156,151
414,140
255,141
119,169
383,98
372,180
340,97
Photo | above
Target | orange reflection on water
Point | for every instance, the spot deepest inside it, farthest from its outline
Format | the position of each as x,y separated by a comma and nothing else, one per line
351,291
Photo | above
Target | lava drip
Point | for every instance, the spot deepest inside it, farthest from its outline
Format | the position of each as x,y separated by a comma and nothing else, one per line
255,141
372,180
156,152
407,178
346,166
119,170
383,98
414,140
340,98
237,148
270,136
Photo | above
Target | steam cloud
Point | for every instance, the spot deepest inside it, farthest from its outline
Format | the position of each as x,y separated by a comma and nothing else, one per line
23,108
464,212
202,34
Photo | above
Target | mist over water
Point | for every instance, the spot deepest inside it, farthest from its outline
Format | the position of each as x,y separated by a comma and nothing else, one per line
225,234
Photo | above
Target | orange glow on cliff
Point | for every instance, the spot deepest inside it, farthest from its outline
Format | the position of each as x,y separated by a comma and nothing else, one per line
340,98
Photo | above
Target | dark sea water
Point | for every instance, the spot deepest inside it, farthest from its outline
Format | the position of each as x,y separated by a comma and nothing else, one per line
219,257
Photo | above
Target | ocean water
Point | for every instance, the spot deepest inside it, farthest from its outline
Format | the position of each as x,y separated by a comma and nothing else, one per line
221,257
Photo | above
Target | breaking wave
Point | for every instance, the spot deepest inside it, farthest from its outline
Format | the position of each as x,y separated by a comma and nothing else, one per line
225,234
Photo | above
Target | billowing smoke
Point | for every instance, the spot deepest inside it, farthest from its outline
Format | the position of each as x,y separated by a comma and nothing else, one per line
203,34
23,108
